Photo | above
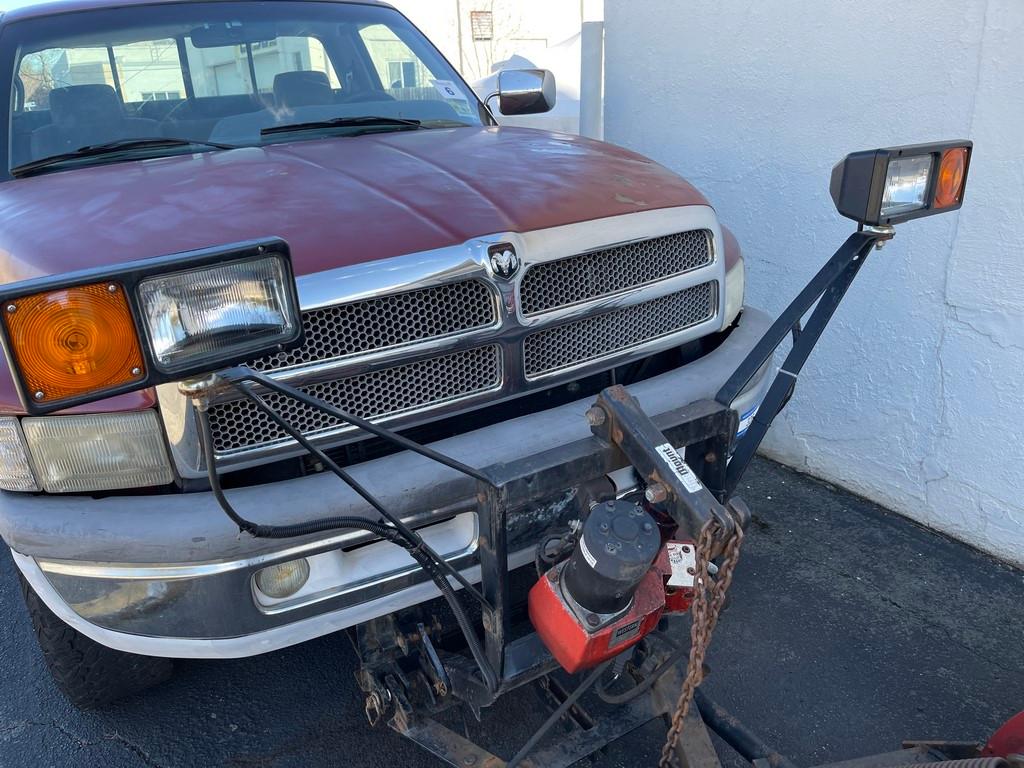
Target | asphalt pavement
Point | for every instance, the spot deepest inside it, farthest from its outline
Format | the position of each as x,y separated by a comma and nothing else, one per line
850,629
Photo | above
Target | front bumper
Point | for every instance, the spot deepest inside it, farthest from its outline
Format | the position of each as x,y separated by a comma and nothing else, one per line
171,575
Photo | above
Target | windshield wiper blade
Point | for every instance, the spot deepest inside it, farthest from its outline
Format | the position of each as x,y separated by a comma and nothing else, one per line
365,121
113,147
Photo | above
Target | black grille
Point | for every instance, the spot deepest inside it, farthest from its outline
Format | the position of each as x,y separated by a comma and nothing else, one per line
388,321
594,337
241,425
591,275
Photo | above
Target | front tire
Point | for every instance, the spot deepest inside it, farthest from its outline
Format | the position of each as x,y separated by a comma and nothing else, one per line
90,675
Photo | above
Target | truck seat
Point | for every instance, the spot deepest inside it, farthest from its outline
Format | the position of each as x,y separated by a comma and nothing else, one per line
87,114
302,89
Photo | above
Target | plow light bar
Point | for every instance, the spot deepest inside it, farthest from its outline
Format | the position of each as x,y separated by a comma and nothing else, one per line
83,336
880,187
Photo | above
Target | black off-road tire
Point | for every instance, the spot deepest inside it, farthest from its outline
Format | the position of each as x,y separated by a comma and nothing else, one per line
90,675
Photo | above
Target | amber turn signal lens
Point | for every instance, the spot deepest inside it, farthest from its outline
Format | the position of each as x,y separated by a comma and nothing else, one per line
950,183
72,341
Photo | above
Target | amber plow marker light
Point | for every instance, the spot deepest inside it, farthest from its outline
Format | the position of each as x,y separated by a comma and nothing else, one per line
883,187
80,337
949,185
72,341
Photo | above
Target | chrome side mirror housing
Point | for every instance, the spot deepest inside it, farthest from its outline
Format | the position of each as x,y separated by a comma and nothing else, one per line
525,91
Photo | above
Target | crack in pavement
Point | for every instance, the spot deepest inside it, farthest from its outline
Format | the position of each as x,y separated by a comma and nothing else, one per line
115,737
924,618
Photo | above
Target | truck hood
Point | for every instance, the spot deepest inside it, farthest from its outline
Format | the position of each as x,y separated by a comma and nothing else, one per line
336,201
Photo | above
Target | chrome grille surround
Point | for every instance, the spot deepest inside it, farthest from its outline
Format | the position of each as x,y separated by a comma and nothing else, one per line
378,366
592,275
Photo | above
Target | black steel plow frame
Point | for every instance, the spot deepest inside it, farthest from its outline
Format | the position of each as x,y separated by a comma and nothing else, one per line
622,436
704,427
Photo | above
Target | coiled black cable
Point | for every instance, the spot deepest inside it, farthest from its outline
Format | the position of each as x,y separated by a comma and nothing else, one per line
677,654
417,549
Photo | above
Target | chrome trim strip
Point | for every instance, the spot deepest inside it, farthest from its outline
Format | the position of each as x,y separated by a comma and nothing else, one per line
376,581
271,639
452,264
151,572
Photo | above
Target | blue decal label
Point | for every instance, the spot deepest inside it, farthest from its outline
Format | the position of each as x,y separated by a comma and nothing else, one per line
746,420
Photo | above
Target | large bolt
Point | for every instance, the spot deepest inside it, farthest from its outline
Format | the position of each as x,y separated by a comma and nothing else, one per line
596,416
656,493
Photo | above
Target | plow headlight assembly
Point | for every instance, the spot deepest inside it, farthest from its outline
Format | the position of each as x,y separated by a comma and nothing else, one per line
880,187
193,317
83,336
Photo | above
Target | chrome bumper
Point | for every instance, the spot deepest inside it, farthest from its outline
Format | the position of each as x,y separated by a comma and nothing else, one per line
171,576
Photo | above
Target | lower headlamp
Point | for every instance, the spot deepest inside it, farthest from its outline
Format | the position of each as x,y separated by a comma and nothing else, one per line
80,337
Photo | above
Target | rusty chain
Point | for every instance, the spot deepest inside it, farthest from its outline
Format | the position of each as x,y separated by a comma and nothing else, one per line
707,605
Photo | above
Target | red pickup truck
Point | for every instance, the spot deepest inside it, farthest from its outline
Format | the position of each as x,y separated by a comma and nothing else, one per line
471,285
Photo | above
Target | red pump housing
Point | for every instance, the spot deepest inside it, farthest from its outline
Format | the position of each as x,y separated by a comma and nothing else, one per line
614,587
576,643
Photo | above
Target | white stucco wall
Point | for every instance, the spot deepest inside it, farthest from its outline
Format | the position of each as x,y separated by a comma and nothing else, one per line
527,34
914,396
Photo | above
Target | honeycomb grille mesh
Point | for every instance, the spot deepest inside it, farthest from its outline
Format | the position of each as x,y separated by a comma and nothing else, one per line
583,340
600,273
387,321
241,425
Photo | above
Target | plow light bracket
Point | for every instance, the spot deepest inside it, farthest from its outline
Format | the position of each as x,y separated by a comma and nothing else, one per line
882,187
83,336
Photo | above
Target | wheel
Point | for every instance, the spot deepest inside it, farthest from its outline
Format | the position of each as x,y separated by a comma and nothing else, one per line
90,675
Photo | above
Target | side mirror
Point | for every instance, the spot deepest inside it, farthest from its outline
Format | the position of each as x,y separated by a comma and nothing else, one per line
525,91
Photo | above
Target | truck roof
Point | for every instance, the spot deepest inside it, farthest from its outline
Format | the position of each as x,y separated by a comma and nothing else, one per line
18,10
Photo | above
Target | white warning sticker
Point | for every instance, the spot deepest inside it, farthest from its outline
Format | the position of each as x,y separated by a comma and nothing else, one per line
682,556
679,467
449,90
591,560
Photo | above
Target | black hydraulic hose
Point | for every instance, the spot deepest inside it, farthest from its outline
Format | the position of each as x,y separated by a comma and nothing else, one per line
570,700
386,532
677,654
261,531
476,650
408,533
238,375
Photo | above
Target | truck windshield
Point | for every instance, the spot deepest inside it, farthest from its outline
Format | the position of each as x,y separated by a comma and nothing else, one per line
86,84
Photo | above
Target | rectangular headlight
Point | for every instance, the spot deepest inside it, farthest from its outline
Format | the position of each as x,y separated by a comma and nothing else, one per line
79,337
906,185
98,452
224,310
15,470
